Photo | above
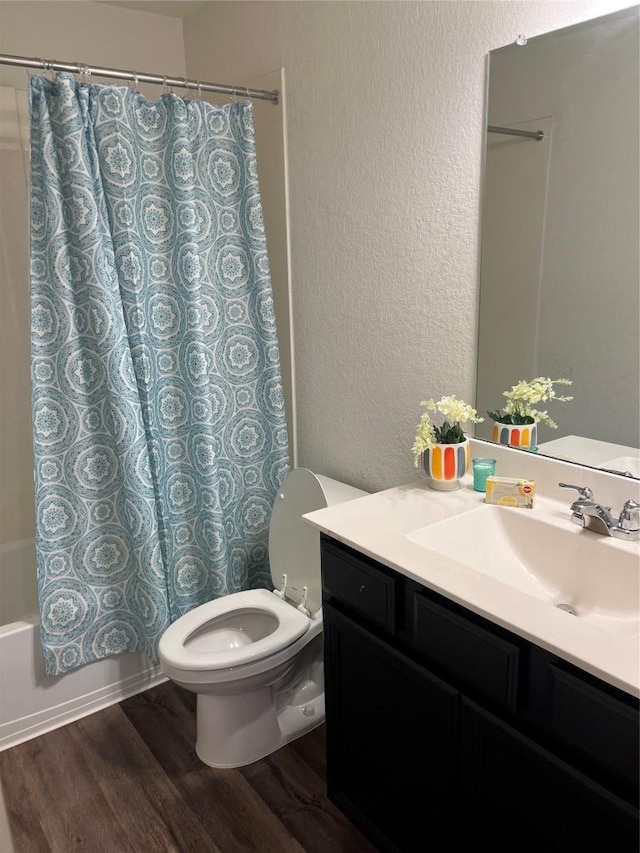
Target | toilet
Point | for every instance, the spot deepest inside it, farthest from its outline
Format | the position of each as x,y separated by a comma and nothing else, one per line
255,658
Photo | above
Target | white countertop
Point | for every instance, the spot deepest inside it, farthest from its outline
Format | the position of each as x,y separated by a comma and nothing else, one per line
377,525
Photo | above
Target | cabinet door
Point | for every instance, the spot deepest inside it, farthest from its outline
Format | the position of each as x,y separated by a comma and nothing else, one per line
518,796
391,740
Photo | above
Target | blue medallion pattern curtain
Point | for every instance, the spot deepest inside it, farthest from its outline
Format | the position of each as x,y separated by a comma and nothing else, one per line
159,431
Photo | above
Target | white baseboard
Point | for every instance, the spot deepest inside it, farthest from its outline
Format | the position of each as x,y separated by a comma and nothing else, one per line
25,728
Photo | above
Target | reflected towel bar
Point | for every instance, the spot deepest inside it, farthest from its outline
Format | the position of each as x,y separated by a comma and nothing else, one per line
529,134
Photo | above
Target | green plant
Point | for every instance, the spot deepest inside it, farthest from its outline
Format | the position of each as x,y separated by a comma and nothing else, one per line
522,398
455,412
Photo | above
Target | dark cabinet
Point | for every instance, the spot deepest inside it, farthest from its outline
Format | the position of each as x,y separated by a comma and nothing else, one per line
449,640
446,731
390,765
517,795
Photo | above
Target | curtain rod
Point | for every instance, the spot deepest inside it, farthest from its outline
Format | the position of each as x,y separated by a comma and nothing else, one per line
511,131
138,77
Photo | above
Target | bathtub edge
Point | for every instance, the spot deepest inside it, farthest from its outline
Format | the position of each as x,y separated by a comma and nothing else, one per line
26,728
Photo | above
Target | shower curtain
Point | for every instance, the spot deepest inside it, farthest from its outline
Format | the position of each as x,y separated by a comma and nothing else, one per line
159,430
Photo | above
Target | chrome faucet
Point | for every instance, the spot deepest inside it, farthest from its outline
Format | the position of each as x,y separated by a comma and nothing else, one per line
587,513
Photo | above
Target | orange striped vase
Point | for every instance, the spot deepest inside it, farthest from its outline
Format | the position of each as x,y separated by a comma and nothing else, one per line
444,464
524,436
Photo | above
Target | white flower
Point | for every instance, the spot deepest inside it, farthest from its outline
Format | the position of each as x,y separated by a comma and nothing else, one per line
425,437
520,400
453,410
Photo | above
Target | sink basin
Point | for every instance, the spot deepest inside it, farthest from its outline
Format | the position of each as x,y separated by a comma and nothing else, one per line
591,576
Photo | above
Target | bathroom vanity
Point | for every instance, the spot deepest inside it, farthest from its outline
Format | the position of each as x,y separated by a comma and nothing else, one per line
461,712
442,724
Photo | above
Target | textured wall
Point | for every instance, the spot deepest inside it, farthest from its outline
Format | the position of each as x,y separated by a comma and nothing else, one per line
385,106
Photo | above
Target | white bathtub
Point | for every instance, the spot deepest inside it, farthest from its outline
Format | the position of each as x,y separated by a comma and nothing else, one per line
32,703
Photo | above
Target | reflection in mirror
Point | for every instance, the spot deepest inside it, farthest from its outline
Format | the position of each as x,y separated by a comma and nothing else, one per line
560,272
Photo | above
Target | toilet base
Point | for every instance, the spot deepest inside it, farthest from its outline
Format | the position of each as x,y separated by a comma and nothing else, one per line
235,731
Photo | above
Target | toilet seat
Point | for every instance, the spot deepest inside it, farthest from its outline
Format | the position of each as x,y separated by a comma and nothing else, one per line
292,624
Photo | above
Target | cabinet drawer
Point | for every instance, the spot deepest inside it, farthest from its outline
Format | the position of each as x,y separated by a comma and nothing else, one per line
359,585
475,658
600,726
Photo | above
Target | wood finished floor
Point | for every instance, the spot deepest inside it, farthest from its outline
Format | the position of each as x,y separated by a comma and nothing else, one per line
127,780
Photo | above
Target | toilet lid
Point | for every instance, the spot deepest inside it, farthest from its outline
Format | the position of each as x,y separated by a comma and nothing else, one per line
294,545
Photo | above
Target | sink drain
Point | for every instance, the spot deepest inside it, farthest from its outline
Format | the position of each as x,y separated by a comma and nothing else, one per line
567,608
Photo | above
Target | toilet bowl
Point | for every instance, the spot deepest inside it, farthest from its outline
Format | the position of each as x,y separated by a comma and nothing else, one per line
255,658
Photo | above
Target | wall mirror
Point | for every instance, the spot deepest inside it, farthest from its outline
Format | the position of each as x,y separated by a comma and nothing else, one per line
560,273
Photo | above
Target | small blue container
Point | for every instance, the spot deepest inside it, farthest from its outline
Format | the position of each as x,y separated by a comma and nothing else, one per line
482,468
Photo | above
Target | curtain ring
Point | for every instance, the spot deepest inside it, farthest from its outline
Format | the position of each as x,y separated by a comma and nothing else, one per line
134,74
164,84
234,92
199,90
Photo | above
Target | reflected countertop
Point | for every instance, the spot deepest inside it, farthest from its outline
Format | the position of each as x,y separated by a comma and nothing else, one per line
590,451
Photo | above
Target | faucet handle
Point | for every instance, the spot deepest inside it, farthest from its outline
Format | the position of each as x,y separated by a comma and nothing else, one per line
584,491
629,509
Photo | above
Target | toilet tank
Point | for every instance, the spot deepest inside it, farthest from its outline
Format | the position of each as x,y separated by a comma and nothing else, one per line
294,545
